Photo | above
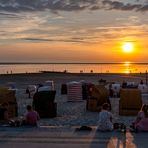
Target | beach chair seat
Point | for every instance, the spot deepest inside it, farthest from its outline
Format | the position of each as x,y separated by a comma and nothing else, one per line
43,103
130,102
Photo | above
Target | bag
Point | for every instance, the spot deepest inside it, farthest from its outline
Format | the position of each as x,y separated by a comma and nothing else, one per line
84,128
15,123
120,126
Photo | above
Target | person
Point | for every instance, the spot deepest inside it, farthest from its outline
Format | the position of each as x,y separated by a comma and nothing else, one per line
31,117
4,115
28,92
141,82
105,118
110,90
141,122
124,84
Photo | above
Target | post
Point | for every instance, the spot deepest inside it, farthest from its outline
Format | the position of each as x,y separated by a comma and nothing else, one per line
146,77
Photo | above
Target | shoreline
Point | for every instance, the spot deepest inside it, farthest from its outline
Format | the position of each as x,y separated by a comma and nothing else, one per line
75,73
61,77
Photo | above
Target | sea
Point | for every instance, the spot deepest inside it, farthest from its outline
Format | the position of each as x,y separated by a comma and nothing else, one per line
125,67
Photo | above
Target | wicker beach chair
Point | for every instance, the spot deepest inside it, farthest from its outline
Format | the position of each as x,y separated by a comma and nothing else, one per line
8,96
130,102
98,96
43,103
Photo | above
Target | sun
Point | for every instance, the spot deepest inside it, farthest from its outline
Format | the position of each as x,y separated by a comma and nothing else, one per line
128,47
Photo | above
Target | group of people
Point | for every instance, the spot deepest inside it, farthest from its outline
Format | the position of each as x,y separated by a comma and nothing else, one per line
30,118
105,122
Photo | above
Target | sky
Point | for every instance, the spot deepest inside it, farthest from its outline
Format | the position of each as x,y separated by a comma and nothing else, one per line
67,31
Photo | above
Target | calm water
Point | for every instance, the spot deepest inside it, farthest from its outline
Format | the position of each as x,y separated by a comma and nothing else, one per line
76,68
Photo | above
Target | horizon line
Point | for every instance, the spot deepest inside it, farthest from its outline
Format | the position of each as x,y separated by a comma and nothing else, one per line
5,63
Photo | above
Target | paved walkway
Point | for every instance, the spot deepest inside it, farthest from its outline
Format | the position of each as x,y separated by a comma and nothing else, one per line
67,137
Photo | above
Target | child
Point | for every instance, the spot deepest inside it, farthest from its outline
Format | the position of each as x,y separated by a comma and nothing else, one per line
105,119
141,122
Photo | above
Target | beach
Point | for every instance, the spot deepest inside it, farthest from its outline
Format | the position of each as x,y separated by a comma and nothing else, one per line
68,113
60,131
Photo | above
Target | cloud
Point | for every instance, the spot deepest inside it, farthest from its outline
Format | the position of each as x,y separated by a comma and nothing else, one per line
53,5
116,5
70,5
74,40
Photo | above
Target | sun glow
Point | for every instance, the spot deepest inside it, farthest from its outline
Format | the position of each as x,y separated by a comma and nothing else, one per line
127,63
128,47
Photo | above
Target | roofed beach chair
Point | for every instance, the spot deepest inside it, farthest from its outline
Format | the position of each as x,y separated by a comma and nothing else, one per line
74,91
43,103
130,102
98,96
8,96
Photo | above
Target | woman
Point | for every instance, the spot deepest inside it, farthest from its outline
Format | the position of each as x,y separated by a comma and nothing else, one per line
105,119
141,122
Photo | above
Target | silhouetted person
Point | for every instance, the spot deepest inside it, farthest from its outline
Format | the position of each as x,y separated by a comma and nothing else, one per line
28,92
124,84
141,82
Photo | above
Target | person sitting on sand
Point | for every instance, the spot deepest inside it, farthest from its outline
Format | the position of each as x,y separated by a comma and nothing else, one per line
141,122
4,115
105,118
31,117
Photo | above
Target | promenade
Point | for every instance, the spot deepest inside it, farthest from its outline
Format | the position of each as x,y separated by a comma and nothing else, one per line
68,137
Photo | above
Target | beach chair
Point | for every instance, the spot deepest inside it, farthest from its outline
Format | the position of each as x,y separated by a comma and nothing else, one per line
130,102
8,96
43,103
98,96
74,91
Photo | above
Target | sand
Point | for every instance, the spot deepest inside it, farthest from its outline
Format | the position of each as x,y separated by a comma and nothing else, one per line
68,113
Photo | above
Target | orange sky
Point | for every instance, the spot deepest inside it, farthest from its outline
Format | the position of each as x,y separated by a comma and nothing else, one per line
74,35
